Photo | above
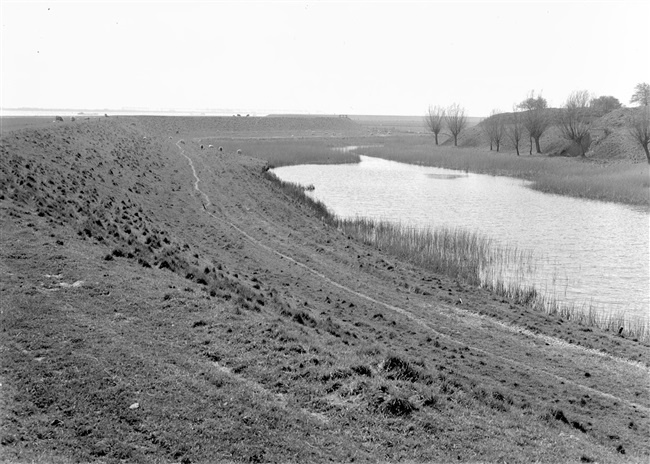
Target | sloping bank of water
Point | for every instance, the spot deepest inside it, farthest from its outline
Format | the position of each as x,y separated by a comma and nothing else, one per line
588,256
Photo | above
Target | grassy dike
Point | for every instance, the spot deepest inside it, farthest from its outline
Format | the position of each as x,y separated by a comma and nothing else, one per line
141,323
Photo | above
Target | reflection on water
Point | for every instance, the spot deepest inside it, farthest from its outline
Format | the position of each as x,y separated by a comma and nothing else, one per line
445,176
585,251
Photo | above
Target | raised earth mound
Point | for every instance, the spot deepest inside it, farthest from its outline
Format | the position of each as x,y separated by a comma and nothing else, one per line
163,304
610,139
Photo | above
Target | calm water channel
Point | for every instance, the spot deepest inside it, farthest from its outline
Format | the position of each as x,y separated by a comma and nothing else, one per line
586,251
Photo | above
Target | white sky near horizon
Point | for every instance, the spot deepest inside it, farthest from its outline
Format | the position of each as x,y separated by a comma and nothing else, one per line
359,57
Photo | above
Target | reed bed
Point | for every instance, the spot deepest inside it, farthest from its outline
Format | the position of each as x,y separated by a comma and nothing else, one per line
456,252
479,260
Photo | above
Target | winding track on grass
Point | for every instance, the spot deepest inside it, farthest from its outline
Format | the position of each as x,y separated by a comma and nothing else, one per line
422,322
196,182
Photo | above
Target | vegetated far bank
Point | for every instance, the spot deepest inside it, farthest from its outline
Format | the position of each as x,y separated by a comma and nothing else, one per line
620,182
143,323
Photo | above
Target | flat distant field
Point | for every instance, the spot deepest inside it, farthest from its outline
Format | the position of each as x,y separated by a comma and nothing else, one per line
407,124
10,123
161,302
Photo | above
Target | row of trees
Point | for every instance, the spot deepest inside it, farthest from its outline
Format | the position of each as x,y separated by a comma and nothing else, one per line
532,117
452,118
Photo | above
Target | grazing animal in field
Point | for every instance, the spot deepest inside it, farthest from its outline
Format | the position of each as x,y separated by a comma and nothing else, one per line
220,148
201,147
72,118
58,118
239,152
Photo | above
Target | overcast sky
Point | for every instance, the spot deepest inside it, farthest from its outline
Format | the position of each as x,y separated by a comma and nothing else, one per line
364,57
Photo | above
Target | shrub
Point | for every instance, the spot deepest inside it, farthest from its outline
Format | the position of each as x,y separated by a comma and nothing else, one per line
397,407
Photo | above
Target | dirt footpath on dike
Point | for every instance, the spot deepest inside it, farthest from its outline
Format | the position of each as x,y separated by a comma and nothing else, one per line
164,303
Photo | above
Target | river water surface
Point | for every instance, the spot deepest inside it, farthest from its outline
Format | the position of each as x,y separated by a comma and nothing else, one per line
587,252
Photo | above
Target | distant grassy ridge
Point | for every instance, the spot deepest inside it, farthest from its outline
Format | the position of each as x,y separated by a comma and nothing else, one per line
470,257
233,126
292,151
621,183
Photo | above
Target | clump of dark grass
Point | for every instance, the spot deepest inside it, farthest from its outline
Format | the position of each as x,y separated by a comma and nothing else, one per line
300,317
401,369
397,407
362,370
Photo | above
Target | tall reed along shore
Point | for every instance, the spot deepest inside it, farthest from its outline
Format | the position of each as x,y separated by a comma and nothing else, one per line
166,298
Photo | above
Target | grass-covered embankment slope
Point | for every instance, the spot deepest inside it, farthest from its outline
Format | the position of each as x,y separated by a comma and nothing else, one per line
255,126
144,321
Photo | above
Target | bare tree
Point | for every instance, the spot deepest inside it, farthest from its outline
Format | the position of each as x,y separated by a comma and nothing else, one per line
494,128
487,131
605,104
640,129
455,120
574,120
516,129
535,118
641,94
434,120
